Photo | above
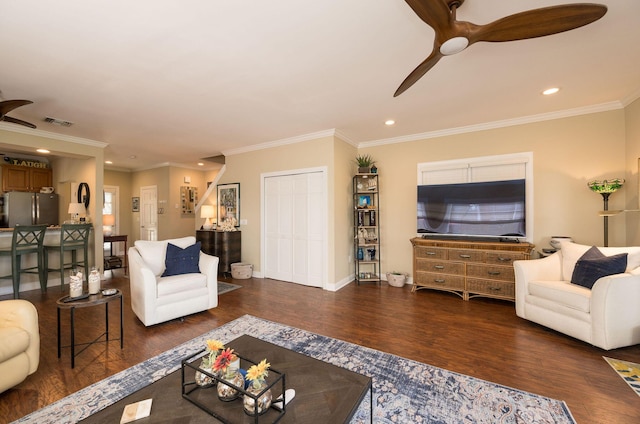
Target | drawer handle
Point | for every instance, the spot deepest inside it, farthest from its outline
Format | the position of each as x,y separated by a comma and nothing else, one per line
438,266
495,289
501,259
465,256
439,281
431,253
493,272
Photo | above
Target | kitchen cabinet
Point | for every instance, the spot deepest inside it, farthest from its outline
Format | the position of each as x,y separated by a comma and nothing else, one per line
25,178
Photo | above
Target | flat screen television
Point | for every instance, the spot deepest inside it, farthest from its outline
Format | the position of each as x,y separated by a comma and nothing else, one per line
494,209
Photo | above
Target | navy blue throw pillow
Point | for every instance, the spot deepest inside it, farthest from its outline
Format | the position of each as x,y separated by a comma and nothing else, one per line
182,261
594,265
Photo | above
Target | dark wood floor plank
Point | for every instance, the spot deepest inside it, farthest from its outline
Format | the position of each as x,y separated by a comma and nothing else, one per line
483,338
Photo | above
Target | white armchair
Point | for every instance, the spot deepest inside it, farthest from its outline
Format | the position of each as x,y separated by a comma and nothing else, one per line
606,316
156,298
19,342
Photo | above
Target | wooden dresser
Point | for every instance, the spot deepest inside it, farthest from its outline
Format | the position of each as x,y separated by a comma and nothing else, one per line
467,268
226,245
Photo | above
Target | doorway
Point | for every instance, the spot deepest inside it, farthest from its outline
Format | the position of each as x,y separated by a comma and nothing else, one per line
111,206
149,213
294,239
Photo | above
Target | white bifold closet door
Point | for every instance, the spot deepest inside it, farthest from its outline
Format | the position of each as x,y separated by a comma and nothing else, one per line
295,228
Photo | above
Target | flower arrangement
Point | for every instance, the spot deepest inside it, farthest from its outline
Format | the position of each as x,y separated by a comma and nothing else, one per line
213,349
224,360
258,373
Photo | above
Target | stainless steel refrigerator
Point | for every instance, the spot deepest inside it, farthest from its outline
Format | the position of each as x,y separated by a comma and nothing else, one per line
22,208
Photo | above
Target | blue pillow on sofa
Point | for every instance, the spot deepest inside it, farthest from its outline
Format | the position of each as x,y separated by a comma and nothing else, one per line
594,265
181,261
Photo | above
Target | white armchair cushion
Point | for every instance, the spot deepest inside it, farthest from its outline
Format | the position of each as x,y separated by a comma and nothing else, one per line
181,283
567,294
154,252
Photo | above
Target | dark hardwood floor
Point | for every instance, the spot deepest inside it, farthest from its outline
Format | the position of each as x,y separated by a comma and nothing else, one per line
482,338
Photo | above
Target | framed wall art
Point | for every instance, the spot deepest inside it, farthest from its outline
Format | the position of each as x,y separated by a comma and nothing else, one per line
229,203
135,204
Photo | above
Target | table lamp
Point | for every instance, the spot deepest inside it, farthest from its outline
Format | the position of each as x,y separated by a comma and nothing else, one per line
108,221
606,188
207,212
75,209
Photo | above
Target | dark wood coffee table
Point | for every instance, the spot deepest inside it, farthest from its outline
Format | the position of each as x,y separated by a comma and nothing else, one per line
325,393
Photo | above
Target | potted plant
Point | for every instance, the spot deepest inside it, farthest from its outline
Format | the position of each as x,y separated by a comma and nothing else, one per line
396,279
365,162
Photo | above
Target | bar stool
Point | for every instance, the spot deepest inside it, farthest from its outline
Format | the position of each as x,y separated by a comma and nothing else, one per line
26,239
73,237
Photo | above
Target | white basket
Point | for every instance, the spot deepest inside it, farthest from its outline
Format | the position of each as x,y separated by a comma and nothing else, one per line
241,271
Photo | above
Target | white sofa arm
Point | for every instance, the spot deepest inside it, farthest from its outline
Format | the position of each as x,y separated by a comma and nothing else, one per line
547,269
143,286
208,265
22,314
615,318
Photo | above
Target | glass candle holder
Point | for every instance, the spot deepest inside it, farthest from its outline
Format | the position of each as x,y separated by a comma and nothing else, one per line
75,283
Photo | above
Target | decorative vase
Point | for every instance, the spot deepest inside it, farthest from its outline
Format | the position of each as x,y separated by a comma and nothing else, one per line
261,404
227,393
202,379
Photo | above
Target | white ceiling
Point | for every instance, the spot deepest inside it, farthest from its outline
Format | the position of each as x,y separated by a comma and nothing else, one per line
178,81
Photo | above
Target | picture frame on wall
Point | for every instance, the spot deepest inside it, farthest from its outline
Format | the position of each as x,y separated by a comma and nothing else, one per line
229,203
135,204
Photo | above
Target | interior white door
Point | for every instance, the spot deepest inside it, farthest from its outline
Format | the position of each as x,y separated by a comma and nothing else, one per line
149,213
295,228
112,207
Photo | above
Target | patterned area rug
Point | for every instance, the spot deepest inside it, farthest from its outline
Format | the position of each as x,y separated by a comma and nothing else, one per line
629,371
405,391
226,287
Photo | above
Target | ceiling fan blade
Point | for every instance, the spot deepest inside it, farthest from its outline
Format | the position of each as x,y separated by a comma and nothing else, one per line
8,105
434,13
417,73
538,22
17,121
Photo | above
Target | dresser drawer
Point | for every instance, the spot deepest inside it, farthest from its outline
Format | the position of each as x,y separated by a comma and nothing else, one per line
444,267
429,252
466,255
491,288
503,258
491,272
442,281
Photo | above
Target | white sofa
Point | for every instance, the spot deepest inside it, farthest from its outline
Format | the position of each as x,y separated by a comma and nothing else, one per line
19,342
606,316
156,299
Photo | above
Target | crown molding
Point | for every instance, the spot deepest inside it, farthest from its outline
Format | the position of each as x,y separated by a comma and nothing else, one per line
55,136
603,107
282,142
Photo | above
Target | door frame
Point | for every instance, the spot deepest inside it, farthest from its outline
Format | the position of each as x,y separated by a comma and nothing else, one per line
324,171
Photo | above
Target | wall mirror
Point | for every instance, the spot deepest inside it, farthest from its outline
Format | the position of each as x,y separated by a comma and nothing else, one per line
189,198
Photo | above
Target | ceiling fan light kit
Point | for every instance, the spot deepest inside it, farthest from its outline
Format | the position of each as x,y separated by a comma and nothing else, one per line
453,36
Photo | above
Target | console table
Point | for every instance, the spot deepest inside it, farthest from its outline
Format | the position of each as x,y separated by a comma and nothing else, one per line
115,239
226,245
467,268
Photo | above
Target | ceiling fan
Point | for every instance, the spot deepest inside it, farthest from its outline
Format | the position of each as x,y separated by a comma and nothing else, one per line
453,36
7,106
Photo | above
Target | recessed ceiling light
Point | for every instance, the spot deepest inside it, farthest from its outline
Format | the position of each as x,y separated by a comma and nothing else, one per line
550,91
389,122
43,151
132,157
108,162
200,164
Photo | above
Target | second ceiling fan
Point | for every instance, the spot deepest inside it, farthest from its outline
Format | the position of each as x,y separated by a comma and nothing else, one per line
453,36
